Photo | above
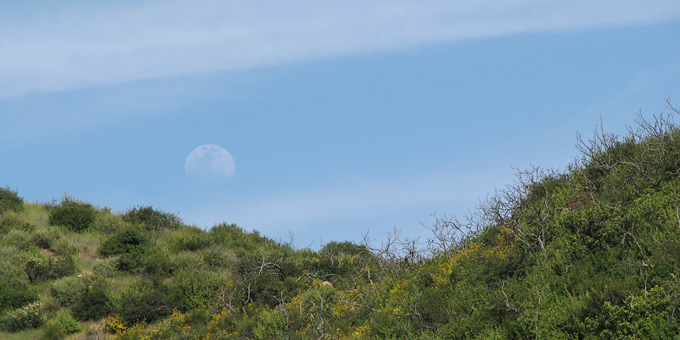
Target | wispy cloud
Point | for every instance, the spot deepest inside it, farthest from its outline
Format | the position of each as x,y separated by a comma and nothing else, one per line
358,200
67,47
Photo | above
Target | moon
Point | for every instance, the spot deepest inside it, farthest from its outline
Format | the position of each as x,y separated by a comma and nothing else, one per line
210,163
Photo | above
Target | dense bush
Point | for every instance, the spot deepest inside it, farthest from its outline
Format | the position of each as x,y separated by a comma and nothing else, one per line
189,238
11,220
218,257
27,317
67,322
10,200
197,288
127,240
46,238
68,290
152,218
94,303
41,269
156,263
13,274
20,238
53,331
73,215
234,237
130,243
107,267
11,298
63,325
144,302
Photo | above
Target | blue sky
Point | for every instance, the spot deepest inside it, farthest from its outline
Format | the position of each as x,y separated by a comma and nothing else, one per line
342,117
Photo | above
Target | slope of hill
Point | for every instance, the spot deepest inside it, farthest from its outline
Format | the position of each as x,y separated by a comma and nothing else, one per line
591,252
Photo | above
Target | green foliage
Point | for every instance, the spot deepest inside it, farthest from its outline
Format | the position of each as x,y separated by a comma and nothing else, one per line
11,220
67,322
69,290
233,237
10,200
46,237
12,273
53,331
63,325
106,268
217,257
157,263
151,218
144,301
272,325
94,303
189,238
27,317
52,238
130,243
130,239
20,238
73,215
343,259
11,298
198,288
41,269
640,317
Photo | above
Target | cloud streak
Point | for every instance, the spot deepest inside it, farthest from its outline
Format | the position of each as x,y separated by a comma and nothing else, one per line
359,200
55,49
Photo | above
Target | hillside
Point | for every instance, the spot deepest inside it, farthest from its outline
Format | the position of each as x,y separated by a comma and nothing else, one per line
592,252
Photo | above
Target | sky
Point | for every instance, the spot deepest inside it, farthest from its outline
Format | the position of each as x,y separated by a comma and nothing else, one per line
343,118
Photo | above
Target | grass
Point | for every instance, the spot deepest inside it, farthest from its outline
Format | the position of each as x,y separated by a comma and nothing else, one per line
88,244
37,214
23,335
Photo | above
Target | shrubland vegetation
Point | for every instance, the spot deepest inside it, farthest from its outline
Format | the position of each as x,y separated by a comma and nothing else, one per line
592,252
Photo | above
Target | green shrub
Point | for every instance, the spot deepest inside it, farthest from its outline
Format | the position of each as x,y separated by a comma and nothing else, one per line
67,322
9,200
27,317
127,240
37,268
144,302
53,331
20,238
11,298
63,247
108,223
13,274
107,267
132,262
63,325
272,325
130,243
189,238
151,218
94,303
234,237
156,263
62,266
187,259
68,290
73,215
198,287
40,269
46,238
11,220
218,257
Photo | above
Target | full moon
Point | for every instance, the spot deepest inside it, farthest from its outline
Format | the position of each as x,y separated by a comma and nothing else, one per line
210,164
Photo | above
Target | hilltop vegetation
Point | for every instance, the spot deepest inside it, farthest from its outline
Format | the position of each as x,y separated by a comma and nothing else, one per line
592,252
